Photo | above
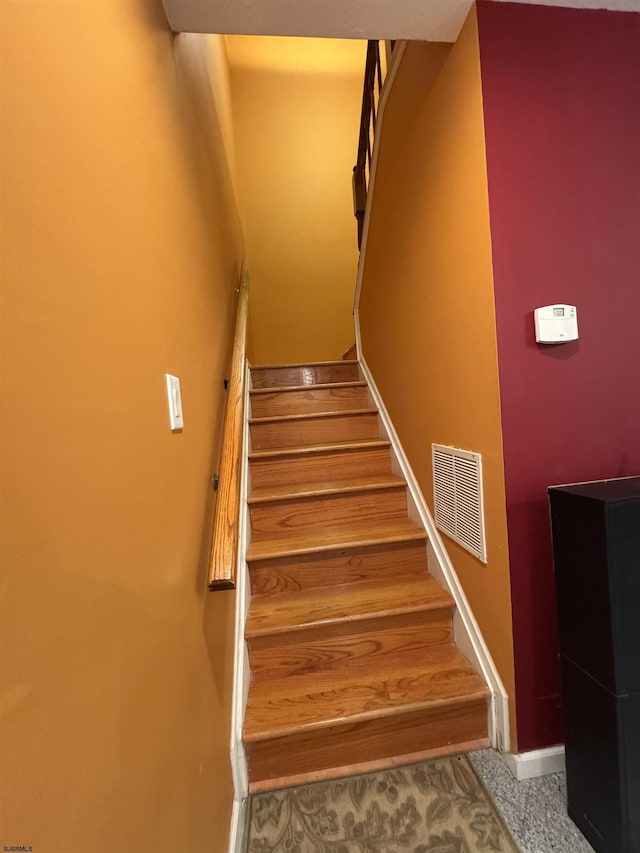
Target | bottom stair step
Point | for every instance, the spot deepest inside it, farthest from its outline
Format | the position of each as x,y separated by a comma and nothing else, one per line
343,749
322,720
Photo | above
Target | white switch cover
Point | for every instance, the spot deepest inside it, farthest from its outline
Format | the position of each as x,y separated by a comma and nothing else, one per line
175,402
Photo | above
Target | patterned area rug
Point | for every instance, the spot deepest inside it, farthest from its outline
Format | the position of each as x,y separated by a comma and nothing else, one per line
437,806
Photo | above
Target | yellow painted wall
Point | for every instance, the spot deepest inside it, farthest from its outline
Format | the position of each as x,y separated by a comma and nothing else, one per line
296,106
120,253
427,310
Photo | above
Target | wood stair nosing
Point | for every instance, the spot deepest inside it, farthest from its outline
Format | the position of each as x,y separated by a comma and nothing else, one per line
311,489
384,711
342,540
298,470
311,399
318,449
290,365
335,626
420,629
367,642
442,677
347,603
321,386
309,493
311,416
322,428
319,373
319,570
337,748
329,512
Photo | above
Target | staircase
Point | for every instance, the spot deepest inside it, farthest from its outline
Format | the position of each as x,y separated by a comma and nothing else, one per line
350,640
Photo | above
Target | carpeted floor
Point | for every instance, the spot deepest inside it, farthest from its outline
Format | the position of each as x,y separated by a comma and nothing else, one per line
437,806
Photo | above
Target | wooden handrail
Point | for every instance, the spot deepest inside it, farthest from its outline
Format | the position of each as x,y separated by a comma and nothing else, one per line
372,75
226,519
371,93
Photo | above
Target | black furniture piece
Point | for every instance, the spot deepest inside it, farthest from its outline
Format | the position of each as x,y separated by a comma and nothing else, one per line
596,554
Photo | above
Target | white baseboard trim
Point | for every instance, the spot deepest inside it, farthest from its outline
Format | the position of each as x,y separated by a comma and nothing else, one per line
240,662
466,630
538,762
236,834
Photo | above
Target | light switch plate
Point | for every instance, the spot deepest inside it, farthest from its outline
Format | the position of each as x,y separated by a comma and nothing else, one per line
175,402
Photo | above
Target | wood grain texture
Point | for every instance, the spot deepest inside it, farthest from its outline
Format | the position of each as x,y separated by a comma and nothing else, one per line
316,398
342,742
321,428
311,464
320,373
320,569
224,542
331,510
322,609
442,676
325,486
350,639
341,643
342,540
367,766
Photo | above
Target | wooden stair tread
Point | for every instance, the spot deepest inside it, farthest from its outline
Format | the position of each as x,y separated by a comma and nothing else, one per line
398,531
310,449
441,676
320,386
308,416
267,494
361,600
299,364
320,428
326,568
274,400
304,463
370,641
286,375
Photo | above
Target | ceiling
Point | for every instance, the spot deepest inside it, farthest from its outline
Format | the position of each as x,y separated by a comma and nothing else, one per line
428,20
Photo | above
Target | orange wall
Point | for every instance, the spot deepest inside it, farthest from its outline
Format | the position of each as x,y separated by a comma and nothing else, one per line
120,255
426,309
296,106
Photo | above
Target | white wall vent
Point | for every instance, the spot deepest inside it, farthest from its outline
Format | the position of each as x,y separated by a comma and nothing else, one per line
457,496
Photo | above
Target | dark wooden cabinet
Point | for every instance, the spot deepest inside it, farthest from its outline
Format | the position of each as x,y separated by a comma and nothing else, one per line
596,548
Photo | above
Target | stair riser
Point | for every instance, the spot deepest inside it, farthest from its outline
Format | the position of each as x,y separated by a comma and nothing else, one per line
307,402
333,512
318,374
298,433
361,643
312,468
342,744
310,571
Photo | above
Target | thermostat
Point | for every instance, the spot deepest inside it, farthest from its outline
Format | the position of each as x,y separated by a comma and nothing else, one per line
556,324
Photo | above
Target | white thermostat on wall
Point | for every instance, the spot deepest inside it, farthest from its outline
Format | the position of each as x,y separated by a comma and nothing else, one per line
556,324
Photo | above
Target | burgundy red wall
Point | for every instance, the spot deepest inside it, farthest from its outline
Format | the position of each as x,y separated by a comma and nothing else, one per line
561,92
